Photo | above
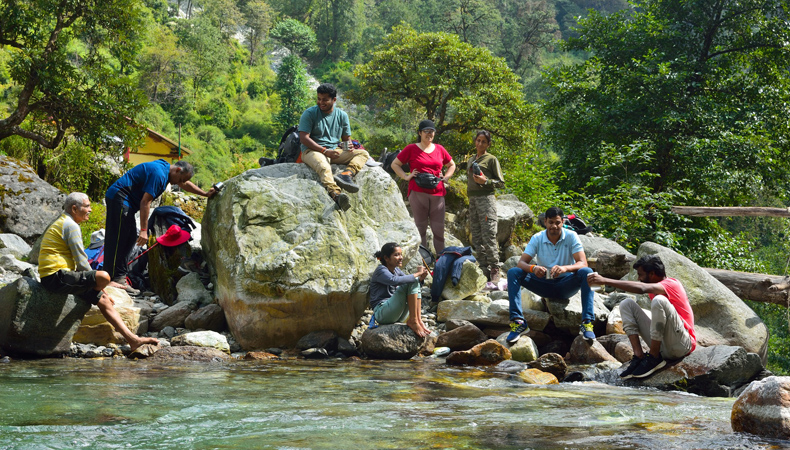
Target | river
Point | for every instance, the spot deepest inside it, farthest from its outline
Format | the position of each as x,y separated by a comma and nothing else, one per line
342,405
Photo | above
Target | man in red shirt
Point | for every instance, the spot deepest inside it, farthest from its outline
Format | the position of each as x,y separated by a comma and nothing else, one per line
670,325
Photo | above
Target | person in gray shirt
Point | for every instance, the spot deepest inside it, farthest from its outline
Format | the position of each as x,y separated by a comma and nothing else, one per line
395,296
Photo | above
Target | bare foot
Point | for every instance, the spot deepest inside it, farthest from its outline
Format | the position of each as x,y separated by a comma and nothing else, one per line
418,328
143,340
117,285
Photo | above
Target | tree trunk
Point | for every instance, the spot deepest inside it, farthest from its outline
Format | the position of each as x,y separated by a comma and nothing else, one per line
711,211
755,286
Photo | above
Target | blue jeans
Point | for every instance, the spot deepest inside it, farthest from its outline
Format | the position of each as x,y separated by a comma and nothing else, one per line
563,287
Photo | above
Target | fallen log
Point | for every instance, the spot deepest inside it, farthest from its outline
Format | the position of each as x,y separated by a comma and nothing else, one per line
757,287
730,211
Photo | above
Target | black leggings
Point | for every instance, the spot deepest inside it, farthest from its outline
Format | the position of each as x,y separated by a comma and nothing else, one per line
120,235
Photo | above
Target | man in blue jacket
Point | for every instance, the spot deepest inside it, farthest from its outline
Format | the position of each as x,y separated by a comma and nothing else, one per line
133,192
553,265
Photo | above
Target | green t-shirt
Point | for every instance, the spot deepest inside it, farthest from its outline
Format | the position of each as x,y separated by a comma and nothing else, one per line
326,130
489,165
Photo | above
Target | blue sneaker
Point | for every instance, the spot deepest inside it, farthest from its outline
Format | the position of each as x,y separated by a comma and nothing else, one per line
517,328
373,323
586,330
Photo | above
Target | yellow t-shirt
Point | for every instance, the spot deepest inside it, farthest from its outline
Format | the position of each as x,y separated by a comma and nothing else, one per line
61,248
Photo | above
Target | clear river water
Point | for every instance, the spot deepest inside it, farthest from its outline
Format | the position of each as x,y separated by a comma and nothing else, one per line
343,405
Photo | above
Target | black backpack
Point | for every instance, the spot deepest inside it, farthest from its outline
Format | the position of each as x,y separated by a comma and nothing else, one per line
290,146
289,150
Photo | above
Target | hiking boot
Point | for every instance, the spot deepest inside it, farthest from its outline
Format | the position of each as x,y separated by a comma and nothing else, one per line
346,181
626,374
586,330
517,328
342,201
648,366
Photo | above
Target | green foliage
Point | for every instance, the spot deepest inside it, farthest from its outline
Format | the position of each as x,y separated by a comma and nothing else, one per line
705,90
459,86
258,16
474,21
208,54
87,91
96,220
295,95
776,318
337,24
295,35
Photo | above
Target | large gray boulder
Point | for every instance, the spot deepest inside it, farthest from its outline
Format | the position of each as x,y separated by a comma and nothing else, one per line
394,341
15,245
287,262
36,322
471,281
510,212
567,313
28,204
596,244
716,371
720,317
487,313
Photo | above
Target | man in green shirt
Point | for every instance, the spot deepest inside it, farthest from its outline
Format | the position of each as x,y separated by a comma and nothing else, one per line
325,134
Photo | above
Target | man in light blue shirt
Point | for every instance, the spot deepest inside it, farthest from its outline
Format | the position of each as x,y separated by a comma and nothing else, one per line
560,271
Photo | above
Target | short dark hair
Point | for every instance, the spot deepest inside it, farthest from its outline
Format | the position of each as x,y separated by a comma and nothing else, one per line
485,133
326,88
554,211
651,263
386,251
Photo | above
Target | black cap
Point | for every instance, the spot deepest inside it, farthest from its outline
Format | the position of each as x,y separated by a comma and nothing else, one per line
426,125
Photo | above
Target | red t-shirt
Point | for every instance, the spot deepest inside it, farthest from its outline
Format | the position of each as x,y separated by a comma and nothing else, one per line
426,163
678,298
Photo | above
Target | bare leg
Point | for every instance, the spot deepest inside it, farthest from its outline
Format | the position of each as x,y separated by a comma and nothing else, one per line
636,345
111,314
655,348
102,280
415,320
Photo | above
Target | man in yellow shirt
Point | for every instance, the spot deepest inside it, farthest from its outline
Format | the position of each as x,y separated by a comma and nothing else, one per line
63,266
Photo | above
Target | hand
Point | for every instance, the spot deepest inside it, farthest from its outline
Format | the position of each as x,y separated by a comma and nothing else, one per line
211,192
594,279
539,271
421,273
480,179
557,270
332,154
410,175
142,238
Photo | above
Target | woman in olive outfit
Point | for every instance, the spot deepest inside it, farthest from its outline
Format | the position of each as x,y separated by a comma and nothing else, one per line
483,176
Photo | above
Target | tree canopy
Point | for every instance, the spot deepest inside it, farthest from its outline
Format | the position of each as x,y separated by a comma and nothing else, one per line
458,86
702,88
71,61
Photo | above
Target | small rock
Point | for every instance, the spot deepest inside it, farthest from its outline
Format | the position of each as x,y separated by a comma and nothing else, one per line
5,359
764,408
461,338
488,353
551,363
535,376
315,353
207,339
144,351
524,350
510,366
326,339
167,332
584,352
275,351
173,316
260,356
189,353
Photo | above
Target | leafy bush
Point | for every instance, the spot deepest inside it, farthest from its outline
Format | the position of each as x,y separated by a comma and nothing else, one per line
294,35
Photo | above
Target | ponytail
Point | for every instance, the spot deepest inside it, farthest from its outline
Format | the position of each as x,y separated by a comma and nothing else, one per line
386,251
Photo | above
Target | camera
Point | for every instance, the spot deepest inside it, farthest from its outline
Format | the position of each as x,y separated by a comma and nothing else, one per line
476,169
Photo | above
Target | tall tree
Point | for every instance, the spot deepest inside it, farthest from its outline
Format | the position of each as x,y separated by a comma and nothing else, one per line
336,23
701,87
476,22
295,95
459,86
258,17
162,67
528,28
208,55
82,91
223,14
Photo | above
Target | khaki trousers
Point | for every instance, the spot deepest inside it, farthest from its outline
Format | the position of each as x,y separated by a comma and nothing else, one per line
320,163
663,323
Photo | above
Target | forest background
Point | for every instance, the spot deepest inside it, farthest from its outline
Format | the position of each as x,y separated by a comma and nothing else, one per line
613,110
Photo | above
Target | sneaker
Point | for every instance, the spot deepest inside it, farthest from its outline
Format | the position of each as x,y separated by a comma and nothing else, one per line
517,328
344,180
342,201
626,374
648,366
586,330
